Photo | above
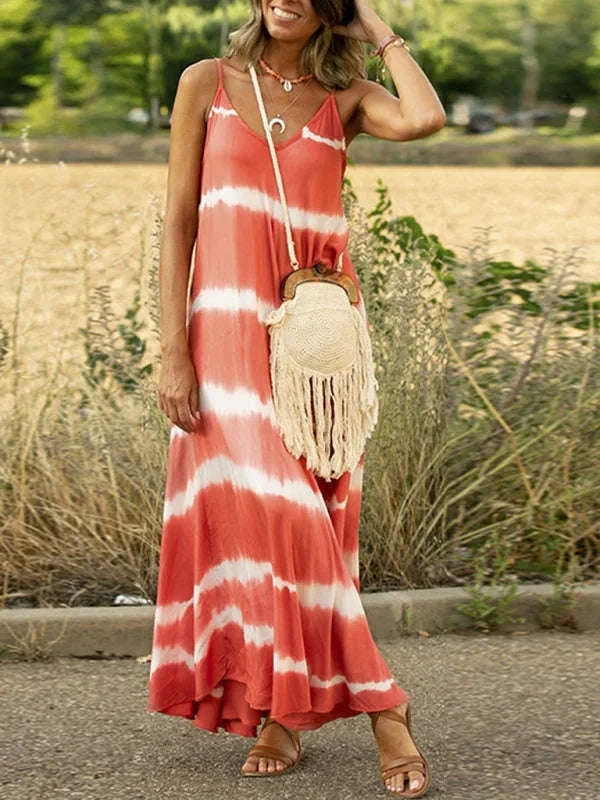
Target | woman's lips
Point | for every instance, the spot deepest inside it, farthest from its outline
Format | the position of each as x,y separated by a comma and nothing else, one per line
283,19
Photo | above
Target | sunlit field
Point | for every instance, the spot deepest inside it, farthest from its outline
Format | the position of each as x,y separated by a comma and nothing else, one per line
529,208
69,224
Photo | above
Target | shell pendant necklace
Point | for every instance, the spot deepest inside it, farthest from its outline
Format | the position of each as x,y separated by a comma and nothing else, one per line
287,85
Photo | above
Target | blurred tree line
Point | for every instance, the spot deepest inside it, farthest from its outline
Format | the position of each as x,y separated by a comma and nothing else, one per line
81,65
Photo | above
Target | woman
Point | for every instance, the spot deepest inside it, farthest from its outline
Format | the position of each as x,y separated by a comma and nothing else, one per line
258,611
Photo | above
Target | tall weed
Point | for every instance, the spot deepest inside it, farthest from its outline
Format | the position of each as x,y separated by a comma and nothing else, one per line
490,389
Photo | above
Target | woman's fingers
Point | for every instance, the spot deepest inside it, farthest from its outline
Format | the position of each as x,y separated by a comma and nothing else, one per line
178,392
194,403
180,415
172,413
188,423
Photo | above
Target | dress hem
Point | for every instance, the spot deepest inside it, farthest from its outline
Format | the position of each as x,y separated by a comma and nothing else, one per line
234,713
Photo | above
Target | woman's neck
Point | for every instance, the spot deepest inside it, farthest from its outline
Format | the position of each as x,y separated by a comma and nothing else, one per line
284,57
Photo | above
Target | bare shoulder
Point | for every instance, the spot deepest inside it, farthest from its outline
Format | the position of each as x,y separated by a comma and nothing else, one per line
358,88
197,85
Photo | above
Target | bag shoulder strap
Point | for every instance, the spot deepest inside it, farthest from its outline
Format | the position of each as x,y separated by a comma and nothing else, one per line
286,215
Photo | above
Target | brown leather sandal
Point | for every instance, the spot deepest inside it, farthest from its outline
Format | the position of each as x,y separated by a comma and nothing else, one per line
266,751
404,764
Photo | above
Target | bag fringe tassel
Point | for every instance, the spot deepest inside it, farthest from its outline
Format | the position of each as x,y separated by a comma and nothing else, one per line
325,417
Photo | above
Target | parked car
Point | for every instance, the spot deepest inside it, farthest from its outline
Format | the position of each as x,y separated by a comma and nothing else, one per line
10,114
474,114
481,121
142,117
138,115
534,116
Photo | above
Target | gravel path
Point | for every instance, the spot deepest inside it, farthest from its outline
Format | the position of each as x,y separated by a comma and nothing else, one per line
498,716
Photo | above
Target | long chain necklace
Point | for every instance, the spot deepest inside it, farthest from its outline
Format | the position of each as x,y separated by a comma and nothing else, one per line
277,120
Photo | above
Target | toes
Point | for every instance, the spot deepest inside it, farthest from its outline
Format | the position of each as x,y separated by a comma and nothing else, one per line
267,764
254,763
416,780
396,782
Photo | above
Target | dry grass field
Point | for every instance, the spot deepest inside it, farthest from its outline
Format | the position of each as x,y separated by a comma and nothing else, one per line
529,208
65,226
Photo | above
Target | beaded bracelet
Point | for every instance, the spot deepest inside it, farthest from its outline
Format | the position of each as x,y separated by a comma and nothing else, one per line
391,40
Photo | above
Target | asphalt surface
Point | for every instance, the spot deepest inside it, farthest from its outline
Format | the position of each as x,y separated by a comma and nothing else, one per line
500,716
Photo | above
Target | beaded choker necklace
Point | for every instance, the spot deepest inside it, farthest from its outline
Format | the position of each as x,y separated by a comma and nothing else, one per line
285,82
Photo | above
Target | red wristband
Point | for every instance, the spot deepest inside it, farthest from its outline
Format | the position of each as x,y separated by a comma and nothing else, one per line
378,51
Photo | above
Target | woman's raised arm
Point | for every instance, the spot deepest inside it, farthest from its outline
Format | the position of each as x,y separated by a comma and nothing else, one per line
416,112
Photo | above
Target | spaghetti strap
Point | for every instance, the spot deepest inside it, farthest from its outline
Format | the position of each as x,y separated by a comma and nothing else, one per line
220,71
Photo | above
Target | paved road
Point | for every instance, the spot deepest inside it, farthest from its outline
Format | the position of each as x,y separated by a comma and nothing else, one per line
498,716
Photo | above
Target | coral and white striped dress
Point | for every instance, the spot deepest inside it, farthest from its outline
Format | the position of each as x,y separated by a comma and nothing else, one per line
258,608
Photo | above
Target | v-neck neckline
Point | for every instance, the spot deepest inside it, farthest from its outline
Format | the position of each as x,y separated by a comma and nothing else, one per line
278,145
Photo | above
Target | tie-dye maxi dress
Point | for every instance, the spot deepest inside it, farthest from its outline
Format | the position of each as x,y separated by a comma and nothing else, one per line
258,607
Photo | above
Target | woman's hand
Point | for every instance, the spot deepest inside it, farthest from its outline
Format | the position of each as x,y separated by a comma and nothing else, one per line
178,390
366,26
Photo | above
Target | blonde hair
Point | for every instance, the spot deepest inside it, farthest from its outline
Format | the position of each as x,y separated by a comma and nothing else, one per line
332,58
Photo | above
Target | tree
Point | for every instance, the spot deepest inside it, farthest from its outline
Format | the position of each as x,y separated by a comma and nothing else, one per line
21,37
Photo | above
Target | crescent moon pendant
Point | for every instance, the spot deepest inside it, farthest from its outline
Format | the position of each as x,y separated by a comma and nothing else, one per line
277,121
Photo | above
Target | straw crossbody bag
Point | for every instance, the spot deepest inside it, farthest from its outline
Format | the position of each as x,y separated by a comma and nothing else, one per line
320,358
